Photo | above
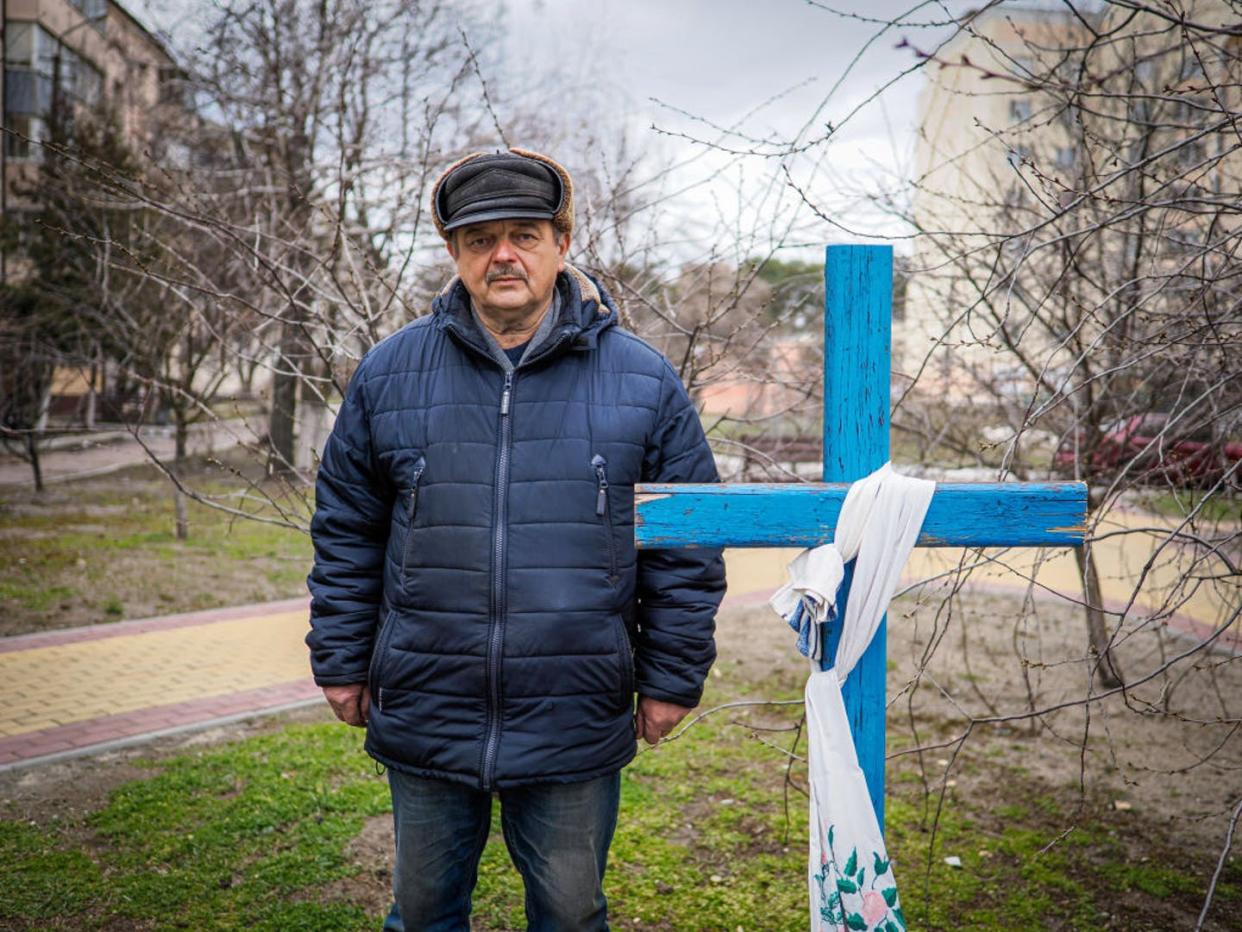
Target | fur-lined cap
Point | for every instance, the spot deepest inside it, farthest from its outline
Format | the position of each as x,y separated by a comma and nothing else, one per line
562,219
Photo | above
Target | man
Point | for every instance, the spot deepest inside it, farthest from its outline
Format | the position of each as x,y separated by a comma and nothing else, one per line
478,603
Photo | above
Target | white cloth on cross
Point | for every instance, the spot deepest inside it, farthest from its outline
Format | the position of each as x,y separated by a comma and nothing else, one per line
808,598
849,875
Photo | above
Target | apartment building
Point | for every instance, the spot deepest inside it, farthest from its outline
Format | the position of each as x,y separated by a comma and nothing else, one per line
1024,114
81,54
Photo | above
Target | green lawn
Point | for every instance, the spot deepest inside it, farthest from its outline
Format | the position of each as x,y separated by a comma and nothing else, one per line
255,835
260,833
1216,508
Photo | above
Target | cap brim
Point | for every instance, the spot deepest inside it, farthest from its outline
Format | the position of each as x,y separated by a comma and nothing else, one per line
500,213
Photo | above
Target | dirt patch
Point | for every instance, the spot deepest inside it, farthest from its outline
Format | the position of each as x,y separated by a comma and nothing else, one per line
371,853
1167,749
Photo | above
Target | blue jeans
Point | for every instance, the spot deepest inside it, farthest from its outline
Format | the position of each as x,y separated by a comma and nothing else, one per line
557,835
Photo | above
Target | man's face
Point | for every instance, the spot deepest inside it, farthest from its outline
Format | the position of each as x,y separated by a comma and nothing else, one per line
509,266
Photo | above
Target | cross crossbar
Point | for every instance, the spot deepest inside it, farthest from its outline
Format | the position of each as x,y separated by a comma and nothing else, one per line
964,514
858,293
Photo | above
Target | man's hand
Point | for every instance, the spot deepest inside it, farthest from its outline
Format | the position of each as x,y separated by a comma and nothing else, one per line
655,719
350,703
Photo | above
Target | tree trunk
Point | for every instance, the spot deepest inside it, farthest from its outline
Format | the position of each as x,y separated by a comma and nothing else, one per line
183,516
182,434
312,432
88,416
32,453
284,401
1108,669
40,427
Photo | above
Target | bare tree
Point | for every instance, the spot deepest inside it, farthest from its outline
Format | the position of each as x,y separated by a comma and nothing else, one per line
1072,223
59,312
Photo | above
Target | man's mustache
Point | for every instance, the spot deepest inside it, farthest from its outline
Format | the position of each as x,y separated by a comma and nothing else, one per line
505,271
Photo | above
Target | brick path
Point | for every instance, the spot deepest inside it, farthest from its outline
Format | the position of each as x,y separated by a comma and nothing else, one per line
86,689
65,691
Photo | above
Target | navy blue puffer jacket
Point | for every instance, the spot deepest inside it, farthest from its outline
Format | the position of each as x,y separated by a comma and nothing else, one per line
474,547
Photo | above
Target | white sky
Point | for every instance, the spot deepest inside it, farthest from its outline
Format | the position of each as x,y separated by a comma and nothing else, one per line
716,58
720,60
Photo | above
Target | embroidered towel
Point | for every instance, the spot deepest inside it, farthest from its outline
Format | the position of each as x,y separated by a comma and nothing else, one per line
849,875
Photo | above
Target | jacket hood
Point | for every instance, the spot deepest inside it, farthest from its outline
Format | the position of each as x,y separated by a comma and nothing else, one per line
587,310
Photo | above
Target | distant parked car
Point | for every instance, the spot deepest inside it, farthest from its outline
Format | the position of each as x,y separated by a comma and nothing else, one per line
1154,451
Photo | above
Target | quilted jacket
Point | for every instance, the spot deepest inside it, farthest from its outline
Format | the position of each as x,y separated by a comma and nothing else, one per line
474,546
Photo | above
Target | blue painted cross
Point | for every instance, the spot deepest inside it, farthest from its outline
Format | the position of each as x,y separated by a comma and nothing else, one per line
857,349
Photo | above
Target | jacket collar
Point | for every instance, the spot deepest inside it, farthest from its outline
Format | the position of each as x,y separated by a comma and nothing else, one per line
586,311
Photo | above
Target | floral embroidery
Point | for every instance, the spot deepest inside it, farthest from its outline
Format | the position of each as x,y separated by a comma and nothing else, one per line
855,895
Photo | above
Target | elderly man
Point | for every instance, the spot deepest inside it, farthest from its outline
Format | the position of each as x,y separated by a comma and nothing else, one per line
478,602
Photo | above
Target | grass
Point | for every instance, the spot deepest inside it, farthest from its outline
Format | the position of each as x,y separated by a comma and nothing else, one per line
1211,508
256,834
104,550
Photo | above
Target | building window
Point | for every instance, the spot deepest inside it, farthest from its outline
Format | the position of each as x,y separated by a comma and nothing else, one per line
18,43
96,11
1066,157
1019,110
37,63
175,88
1023,66
1145,73
47,52
1192,154
22,137
26,92
89,84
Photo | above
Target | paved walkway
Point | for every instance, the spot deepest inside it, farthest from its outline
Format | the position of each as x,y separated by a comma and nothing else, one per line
66,691
81,690
97,453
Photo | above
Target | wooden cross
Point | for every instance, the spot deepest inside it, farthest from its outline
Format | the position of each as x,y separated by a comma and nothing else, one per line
857,349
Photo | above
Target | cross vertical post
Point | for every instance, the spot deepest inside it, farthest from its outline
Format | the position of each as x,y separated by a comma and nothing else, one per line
857,346
858,312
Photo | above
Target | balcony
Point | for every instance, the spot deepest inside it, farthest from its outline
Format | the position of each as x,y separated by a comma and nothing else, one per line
27,92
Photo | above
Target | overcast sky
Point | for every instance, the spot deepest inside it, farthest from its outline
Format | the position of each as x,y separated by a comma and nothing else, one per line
725,60
721,60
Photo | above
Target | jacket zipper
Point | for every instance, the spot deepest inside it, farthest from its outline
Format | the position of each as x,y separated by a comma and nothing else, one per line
377,657
626,656
496,633
412,512
604,510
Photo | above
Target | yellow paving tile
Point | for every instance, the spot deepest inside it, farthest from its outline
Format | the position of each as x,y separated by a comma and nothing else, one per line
37,724
1121,560
757,570
130,672
79,681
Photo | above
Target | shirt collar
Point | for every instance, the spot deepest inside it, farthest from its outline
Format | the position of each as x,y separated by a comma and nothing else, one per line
545,328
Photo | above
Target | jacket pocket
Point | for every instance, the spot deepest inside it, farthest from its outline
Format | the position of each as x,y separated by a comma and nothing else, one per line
625,658
377,657
603,509
411,496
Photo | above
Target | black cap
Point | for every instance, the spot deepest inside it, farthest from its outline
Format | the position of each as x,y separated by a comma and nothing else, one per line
503,186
